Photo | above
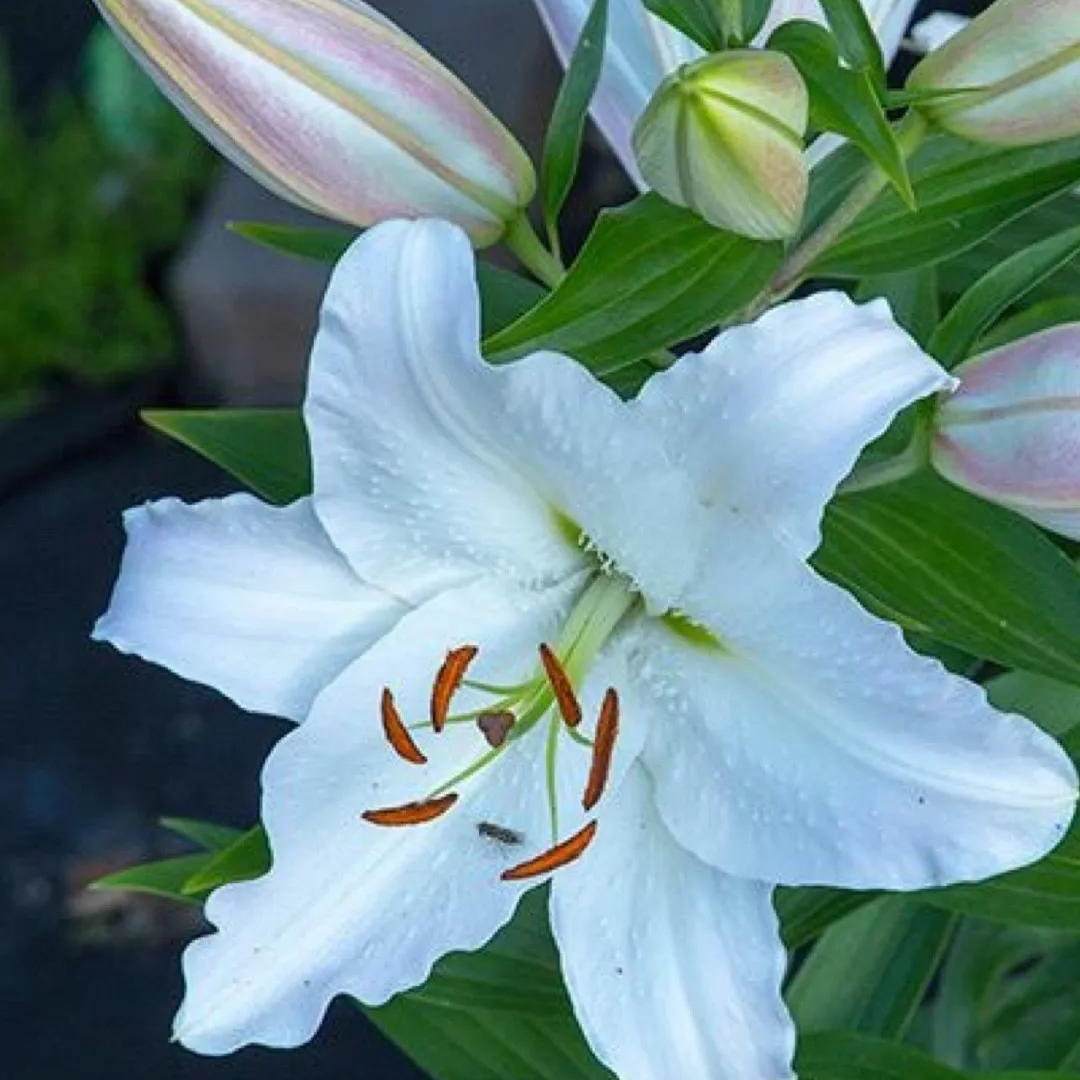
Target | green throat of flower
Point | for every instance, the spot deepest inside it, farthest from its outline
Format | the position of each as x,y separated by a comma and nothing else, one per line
548,696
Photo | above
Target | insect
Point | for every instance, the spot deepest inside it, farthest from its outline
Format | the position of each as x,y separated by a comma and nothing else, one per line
499,833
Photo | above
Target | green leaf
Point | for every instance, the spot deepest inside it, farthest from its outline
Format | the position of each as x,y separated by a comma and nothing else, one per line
208,836
1053,705
504,295
964,192
1034,1019
982,955
650,275
166,878
998,289
562,145
705,22
941,562
870,971
1046,894
1041,316
494,1015
321,245
266,449
246,858
844,1056
805,913
844,100
859,45
913,296
1052,217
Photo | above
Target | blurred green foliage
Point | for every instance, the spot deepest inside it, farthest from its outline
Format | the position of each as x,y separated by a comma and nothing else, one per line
95,192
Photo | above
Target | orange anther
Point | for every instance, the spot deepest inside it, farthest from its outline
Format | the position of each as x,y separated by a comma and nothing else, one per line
562,687
447,682
607,731
397,734
416,813
558,856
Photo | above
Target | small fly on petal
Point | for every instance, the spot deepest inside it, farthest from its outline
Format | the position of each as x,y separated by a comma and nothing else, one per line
554,858
397,734
503,835
561,686
447,682
416,813
607,731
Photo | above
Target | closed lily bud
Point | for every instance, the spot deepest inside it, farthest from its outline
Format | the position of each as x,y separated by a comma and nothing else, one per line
1015,71
724,137
331,106
1011,432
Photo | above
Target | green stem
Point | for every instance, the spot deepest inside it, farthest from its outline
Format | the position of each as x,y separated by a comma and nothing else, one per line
522,240
910,133
907,463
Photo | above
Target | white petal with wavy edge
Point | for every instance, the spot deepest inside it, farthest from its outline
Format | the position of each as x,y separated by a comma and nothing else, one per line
642,50
432,467
673,967
812,746
249,598
807,386
359,909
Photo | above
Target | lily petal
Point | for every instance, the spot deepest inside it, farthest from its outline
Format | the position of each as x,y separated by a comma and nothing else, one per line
251,599
674,968
433,467
807,386
810,745
354,908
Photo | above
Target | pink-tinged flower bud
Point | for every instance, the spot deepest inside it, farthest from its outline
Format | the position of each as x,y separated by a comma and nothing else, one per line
333,107
1016,73
1011,432
724,137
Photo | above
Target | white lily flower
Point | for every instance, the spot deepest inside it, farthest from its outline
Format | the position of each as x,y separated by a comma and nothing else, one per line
643,50
641,690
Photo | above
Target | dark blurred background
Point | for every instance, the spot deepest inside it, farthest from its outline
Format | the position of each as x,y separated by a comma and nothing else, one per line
119,289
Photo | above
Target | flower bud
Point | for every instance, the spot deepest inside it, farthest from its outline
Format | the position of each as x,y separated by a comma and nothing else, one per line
724,137
1016,70
331,106
1011,432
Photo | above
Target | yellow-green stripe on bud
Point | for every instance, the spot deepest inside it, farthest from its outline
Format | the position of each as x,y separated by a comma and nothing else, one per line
331,106
724,137
1012,77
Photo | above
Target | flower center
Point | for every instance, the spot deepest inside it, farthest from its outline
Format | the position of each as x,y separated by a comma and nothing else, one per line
548,696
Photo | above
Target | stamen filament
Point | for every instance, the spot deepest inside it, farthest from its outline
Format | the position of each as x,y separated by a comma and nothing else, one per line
397,734
552,779
561,686
470,771
416,813
447,682
607,731
558,856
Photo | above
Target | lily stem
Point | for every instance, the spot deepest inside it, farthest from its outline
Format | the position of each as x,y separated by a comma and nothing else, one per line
907,463
522,240
910,133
